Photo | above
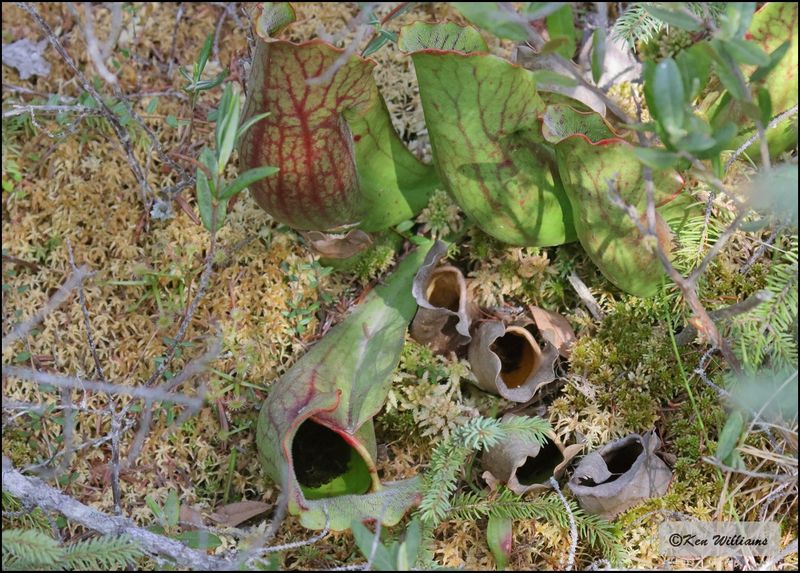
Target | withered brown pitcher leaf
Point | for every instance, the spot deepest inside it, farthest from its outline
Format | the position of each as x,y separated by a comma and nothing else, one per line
507,360
445,313
620,475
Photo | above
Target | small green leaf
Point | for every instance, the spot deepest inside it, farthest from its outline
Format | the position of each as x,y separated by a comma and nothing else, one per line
548,77
598,53
499,538
727,70
171,508
365,539
736,19
745,52
679,17
227,125
774,59
729,437
151,107
206,194
656,158
383,37
537,10
404,226
490,16
560,23
409,549
250,123
695,66
199,539
246,179
667,99
172,121
205,52
22,356
764,106
154,507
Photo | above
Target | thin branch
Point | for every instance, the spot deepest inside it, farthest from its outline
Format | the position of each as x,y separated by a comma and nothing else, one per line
196,366
688,286
752,139
189,314
33,492
22,329
762,248
586,296
105,387
573,528
178,17
19,109
92,46
689,332
116,29
780,477
122,134
350,49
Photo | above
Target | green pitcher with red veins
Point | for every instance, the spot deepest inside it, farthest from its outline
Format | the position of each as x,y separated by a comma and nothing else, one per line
482,114
329,133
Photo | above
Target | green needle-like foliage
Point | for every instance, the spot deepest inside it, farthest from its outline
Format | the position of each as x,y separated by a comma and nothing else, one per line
30,549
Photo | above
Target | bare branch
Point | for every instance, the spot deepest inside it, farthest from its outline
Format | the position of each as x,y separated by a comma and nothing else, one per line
350,49
687,334
586,296
573,528
92,47
122,134
780,477
114,389
752,139
33,492
21,330
18,109
116,29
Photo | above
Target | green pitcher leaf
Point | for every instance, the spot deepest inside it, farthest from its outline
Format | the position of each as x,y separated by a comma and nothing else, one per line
330,135
591,160
482,117
315,435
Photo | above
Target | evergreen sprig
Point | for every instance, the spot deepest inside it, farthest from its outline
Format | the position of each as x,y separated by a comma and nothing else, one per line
31,549
766,336
599,533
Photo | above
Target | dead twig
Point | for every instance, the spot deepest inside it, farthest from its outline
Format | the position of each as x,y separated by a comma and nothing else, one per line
33,492
22,329
689,332
752,139
586,296
121,133
105,387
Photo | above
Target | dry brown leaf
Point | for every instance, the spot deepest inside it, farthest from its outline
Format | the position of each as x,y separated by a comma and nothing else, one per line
555,329
190,518
238,512
336,246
